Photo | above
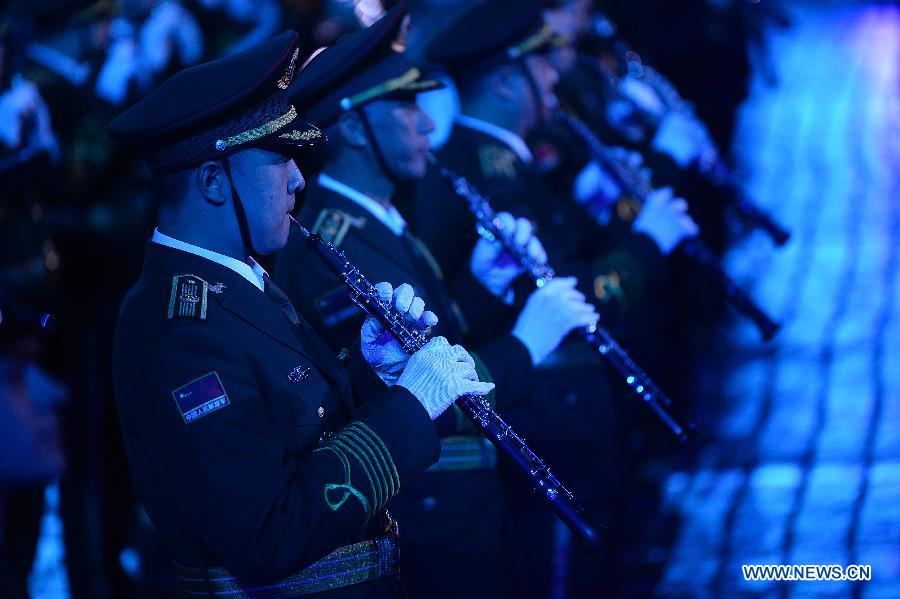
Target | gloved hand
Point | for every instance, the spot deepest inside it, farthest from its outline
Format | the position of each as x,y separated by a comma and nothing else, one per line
634,161
383,353
551,313
665,219
493,267
121,65
439,374
683,138
21,103
642,95
170,29
635,109
597,189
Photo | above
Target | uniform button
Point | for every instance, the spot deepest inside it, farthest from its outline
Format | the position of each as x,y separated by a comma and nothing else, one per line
429,503
321,412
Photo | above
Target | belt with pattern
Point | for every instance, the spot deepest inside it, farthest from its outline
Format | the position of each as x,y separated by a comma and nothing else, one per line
345,566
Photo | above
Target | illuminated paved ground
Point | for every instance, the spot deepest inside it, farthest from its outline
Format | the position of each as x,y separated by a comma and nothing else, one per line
806,463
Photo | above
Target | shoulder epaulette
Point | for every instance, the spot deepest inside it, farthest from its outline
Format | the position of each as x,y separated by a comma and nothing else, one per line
333,224
187,298
497,162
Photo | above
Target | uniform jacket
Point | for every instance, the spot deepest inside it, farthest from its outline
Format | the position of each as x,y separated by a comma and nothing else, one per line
443,538
258,479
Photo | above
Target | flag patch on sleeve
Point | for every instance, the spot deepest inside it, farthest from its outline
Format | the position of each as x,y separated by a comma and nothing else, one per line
200,397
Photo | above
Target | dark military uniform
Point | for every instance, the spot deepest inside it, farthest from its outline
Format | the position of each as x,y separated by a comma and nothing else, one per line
263,474
441,530
455,539
570,419
245,442
664,336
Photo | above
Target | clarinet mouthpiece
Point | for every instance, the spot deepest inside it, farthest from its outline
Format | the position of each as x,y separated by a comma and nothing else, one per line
303,230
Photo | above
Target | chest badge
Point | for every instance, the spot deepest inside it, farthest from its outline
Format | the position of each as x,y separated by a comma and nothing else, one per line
298,374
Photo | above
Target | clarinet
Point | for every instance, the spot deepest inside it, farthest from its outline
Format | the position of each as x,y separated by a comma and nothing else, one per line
719,174
638,382
639,189
479,411
715,169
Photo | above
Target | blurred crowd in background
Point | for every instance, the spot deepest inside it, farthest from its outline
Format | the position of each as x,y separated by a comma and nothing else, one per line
76,211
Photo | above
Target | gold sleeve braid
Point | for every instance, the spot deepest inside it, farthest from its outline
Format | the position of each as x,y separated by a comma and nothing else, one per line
359,443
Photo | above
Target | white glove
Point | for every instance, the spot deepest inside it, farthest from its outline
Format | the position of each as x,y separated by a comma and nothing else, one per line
383,353
665,219
169,28
439,374
682,137
493,267
596,188
551,313
121,65
593,186
23,101
642,95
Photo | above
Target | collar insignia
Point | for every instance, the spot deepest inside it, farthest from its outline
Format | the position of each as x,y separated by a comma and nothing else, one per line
288,76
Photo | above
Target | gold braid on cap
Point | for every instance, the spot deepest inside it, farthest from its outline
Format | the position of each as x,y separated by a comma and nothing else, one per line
285,80
408,81
267,128
272,116
545,36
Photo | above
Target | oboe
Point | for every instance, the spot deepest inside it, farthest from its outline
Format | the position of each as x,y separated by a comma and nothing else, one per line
639,383
479,411
637,187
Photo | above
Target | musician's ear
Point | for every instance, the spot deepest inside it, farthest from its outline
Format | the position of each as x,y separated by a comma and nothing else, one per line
351,130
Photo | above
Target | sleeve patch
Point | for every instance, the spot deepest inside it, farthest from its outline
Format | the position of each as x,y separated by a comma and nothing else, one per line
200,397
333,225
187,298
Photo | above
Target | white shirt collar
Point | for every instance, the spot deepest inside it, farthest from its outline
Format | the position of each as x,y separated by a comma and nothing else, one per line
512,140
253,272
389,216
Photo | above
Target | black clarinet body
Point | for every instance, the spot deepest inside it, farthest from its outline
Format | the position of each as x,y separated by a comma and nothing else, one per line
638,382
479,411
716,171
719,174
637,187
